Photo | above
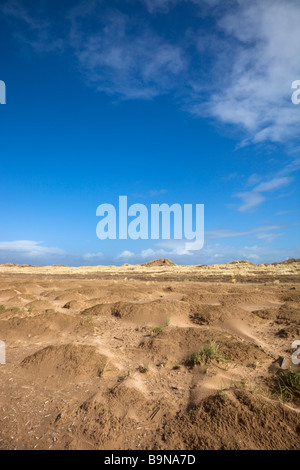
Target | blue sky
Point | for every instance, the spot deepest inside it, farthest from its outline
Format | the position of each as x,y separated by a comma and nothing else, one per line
164,101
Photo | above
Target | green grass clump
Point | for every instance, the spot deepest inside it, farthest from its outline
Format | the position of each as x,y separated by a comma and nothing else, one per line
287,383
209,352
157,330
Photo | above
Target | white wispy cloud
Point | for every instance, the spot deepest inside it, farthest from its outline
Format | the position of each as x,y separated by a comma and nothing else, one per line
183,247
125,57
31,28
262,42
159,6
231,233
262,186
28,248
126,254
284,212
90,256
252,199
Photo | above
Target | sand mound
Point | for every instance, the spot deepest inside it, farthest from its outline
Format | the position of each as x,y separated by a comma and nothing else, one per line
74,305
292,296
288,261
206,314
124,400
9,293
158,262
241,352
21,299
233,420
98,310
50,294
66,360
115,420
176,343
179,343
125,291
39,305
292,332
37,325
266,313
90,292
67,296
289,314
156,312
241,263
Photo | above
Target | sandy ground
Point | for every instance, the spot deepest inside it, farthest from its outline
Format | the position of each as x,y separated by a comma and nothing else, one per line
99,357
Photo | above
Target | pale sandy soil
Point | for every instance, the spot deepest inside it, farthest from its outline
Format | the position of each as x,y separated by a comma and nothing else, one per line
85,370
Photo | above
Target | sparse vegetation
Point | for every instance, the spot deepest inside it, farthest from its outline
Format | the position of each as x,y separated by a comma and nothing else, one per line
157,330
102,371
87,319
222,396
287,384
210,351
4,309
160,329
239,385
143,369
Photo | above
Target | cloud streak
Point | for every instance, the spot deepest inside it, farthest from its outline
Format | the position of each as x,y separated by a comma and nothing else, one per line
125,57
28,248
31,28
252,199
258,194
